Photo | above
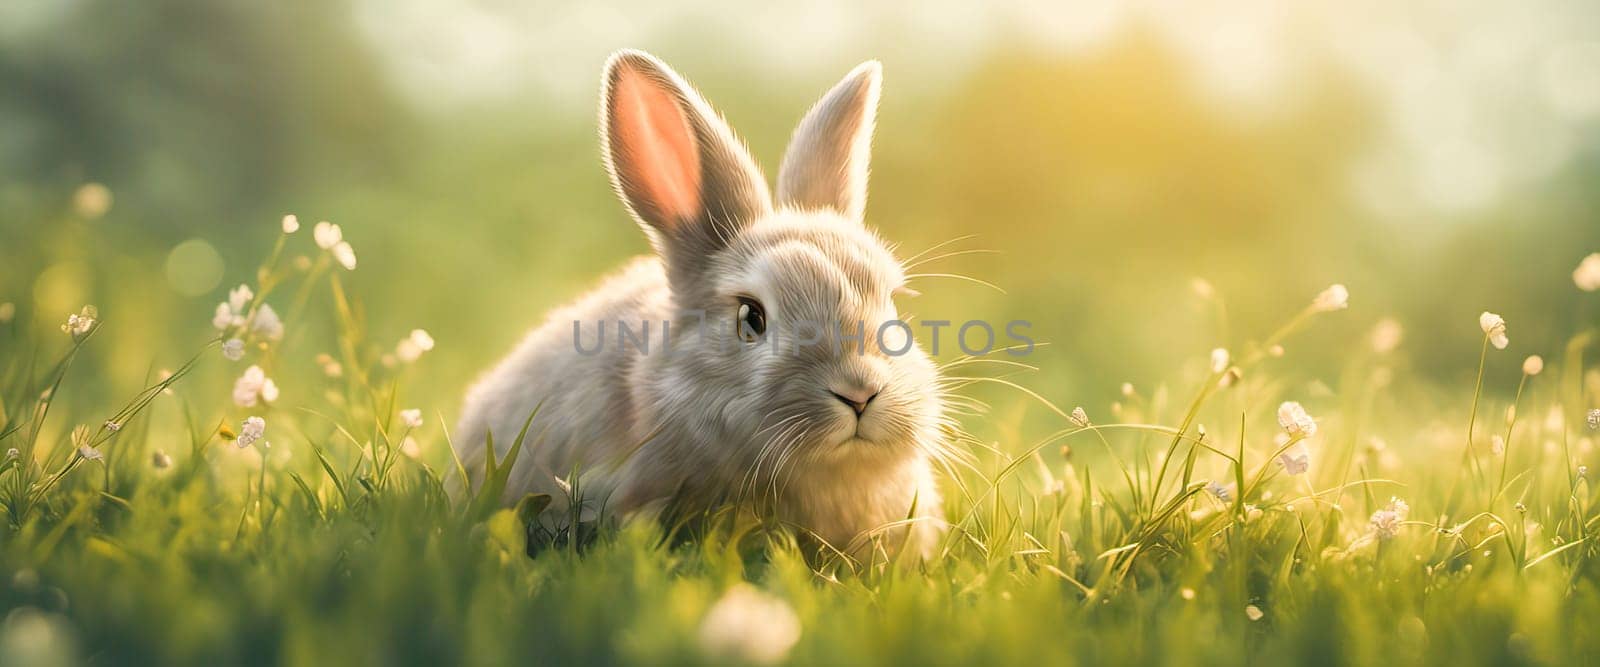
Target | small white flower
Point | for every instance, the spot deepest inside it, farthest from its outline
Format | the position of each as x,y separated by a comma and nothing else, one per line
1587,275
254,385
1127,389
13,453
161,460
327,235
1533,365
233,350
291,224
1386,522
1219,360
8,310
250,431
1386,335
90,453
239,298
1336,297
112,426
1494,326
412,347
1594,419
1296,461
1497,445
748,625
1295,421
412,418
1223,493
346,255
1079,418
1254,613
224,317
80,324
266,324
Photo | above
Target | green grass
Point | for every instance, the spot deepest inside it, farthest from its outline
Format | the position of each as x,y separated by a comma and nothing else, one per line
1095,544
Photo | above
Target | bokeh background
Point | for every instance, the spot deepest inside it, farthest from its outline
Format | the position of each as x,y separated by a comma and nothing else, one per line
1439,158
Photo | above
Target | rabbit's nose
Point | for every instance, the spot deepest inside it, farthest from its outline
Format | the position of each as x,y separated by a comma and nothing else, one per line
856,398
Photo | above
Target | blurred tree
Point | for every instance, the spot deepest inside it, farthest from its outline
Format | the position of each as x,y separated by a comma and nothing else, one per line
203,111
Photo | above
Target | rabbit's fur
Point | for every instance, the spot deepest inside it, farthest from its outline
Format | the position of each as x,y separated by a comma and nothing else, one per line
717,420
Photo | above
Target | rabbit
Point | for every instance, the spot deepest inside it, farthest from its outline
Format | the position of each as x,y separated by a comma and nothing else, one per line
840,441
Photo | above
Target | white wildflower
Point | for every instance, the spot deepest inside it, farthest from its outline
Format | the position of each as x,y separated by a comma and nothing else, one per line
231,313
748,625
266,324
13,453
345,254
327,235
1127,389
1494,326
112,426
1386,522
233,350
79,324
1587,275
90,453
239,298
1336,297
291,224
1079,418
254,385
1254,613
1296,461
251,431
1386,335
1219,360
412,418
414,345
225,318
1295,421
1594,419
1497,445
1533,365
1223,493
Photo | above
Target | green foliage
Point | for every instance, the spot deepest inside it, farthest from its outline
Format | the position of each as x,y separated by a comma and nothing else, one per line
342,543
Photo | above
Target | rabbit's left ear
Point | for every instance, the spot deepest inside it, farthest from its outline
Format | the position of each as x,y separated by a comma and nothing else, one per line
826,165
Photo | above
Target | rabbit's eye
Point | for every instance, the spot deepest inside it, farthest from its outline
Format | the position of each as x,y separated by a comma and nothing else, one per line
752,320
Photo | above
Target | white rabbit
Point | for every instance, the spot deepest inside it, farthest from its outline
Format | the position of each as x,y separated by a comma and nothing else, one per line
838,439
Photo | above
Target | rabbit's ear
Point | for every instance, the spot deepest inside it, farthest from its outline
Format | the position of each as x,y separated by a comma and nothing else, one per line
826,165
674,162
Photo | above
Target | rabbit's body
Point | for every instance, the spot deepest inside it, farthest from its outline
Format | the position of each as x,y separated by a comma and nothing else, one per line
837,437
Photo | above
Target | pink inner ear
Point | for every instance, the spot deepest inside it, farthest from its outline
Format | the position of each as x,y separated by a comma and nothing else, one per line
661,160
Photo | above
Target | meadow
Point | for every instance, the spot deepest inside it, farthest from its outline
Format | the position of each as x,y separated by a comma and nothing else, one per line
1313,287
1217,518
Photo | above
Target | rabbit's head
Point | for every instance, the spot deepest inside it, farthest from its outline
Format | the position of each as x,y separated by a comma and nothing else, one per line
786,335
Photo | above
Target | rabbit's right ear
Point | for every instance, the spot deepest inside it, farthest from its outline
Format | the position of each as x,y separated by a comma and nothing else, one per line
674,162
